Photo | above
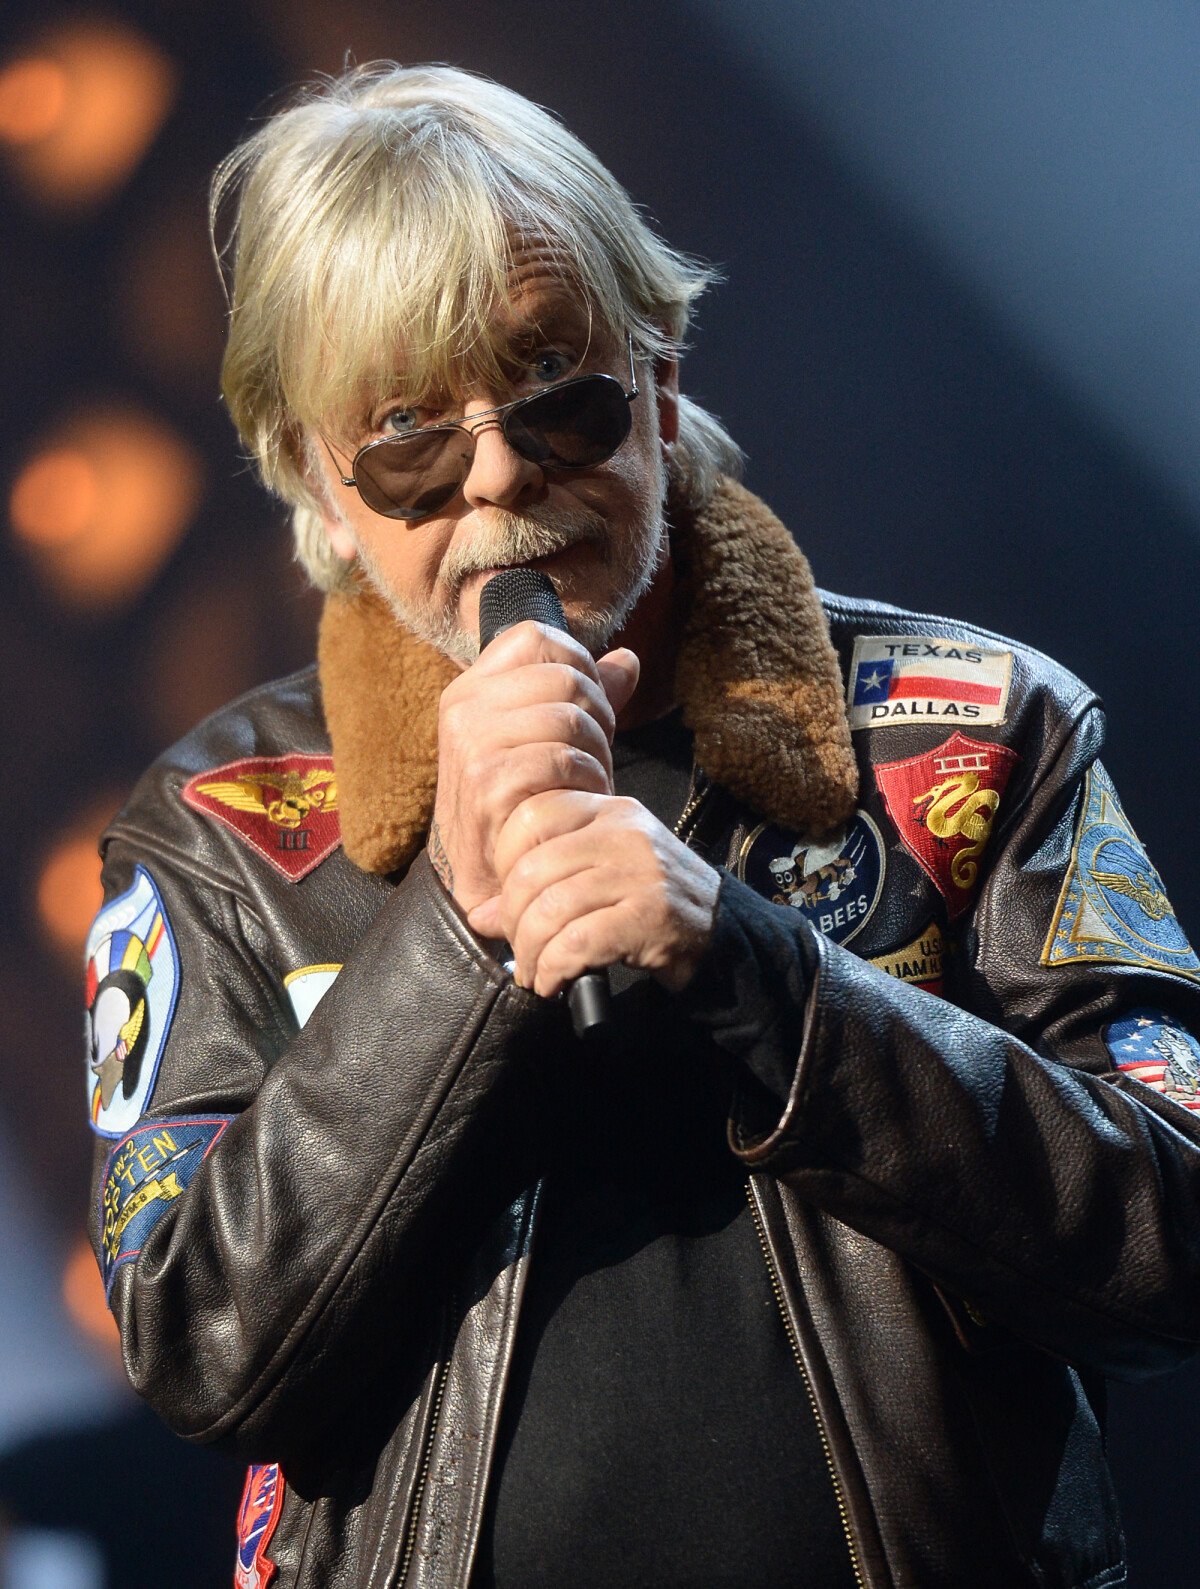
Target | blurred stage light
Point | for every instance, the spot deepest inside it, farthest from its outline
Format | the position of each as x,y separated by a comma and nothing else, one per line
102,502
68,891
33,100
79,111
83,1294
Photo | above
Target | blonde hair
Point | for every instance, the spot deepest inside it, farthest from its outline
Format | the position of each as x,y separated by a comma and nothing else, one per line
374,221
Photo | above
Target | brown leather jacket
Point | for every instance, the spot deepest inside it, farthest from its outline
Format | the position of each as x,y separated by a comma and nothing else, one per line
316,1217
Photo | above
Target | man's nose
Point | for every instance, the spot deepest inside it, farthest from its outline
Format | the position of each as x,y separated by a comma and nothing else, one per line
498,474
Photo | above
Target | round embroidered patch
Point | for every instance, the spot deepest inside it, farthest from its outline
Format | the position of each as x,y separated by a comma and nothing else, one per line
836,882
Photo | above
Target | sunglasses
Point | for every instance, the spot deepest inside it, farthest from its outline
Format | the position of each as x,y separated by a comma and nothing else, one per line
574,424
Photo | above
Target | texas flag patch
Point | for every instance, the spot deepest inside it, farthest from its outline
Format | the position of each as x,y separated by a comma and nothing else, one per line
898,679
284,807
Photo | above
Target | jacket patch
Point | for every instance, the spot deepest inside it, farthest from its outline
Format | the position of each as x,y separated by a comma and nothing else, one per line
1152,1047
943,804
835,883
257,1516
132,984
145,1173
284,807
905,678
307,987
918,962
1113,908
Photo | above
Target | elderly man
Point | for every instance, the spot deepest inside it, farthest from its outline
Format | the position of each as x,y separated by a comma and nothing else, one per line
806,1265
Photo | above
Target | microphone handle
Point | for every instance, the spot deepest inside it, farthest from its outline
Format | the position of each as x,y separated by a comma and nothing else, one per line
512,596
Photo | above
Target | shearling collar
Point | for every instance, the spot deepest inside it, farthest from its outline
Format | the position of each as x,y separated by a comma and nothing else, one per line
757,678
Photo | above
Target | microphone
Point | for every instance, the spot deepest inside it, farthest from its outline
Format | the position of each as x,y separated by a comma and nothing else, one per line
515,595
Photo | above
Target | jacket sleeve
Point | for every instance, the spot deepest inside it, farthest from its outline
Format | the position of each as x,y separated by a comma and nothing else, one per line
259,1278
998,1146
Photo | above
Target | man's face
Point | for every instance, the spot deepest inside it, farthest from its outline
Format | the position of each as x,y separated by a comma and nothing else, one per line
598,532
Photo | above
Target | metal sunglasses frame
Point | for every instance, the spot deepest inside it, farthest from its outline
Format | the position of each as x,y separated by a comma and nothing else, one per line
491,416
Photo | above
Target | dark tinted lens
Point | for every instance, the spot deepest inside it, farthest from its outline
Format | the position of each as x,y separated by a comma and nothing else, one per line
574,426
413,476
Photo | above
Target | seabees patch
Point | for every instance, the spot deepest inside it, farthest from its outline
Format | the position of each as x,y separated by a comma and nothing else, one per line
132,984
283,807
1113,908
146,1171
900,679
835,881
1155,1049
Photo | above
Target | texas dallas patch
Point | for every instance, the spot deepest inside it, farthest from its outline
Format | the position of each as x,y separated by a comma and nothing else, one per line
835,882
899,679
132,985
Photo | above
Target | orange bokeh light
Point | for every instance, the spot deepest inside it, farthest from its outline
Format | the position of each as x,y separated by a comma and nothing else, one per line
69,892
83,1294
102,502
55,498
80,111
33,99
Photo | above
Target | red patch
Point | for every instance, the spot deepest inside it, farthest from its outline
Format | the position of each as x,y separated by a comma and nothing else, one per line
257,1517
285,807
943,804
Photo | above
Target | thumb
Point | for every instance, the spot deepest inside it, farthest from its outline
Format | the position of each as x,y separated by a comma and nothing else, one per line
619,672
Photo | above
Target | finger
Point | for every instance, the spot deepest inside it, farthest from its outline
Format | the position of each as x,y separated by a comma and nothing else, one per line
563,900
508,775
553,723
564,877
619,673
606,936
533,642
469,701
484,918
540,818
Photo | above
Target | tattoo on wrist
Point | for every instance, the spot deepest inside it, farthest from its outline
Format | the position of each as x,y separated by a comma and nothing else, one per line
439,860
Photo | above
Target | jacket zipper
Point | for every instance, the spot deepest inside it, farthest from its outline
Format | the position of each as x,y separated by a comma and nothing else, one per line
414,1526
695,799
838,1493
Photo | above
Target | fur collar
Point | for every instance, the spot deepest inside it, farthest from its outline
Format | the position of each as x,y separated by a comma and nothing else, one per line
757,677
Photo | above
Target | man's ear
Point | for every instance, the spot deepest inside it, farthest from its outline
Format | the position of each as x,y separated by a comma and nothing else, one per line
337,531
319,478
666,398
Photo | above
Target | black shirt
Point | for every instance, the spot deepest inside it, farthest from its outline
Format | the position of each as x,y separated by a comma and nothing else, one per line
656,1428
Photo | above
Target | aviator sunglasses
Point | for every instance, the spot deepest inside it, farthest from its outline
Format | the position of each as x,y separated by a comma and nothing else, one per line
574,424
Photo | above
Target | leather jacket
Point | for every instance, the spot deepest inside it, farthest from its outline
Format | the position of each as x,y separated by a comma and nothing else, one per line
313,1205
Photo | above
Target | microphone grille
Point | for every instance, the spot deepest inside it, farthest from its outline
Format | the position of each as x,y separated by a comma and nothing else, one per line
513,596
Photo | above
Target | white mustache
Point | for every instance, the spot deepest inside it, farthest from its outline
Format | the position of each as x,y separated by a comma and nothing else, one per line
510,538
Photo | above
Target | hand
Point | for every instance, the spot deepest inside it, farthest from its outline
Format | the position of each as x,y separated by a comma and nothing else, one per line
588,880
533,713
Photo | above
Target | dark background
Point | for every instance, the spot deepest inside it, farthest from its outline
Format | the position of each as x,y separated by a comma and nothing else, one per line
936,431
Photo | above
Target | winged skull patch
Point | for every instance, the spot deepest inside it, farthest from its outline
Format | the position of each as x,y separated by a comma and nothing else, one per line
284,807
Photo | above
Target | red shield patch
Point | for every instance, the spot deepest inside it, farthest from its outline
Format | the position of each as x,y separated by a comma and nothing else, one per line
285,807
943,804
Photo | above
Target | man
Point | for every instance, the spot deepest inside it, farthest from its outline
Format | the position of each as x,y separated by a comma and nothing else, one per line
806,1268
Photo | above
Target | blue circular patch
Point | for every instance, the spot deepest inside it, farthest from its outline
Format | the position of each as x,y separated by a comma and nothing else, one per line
1130,891
835,883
